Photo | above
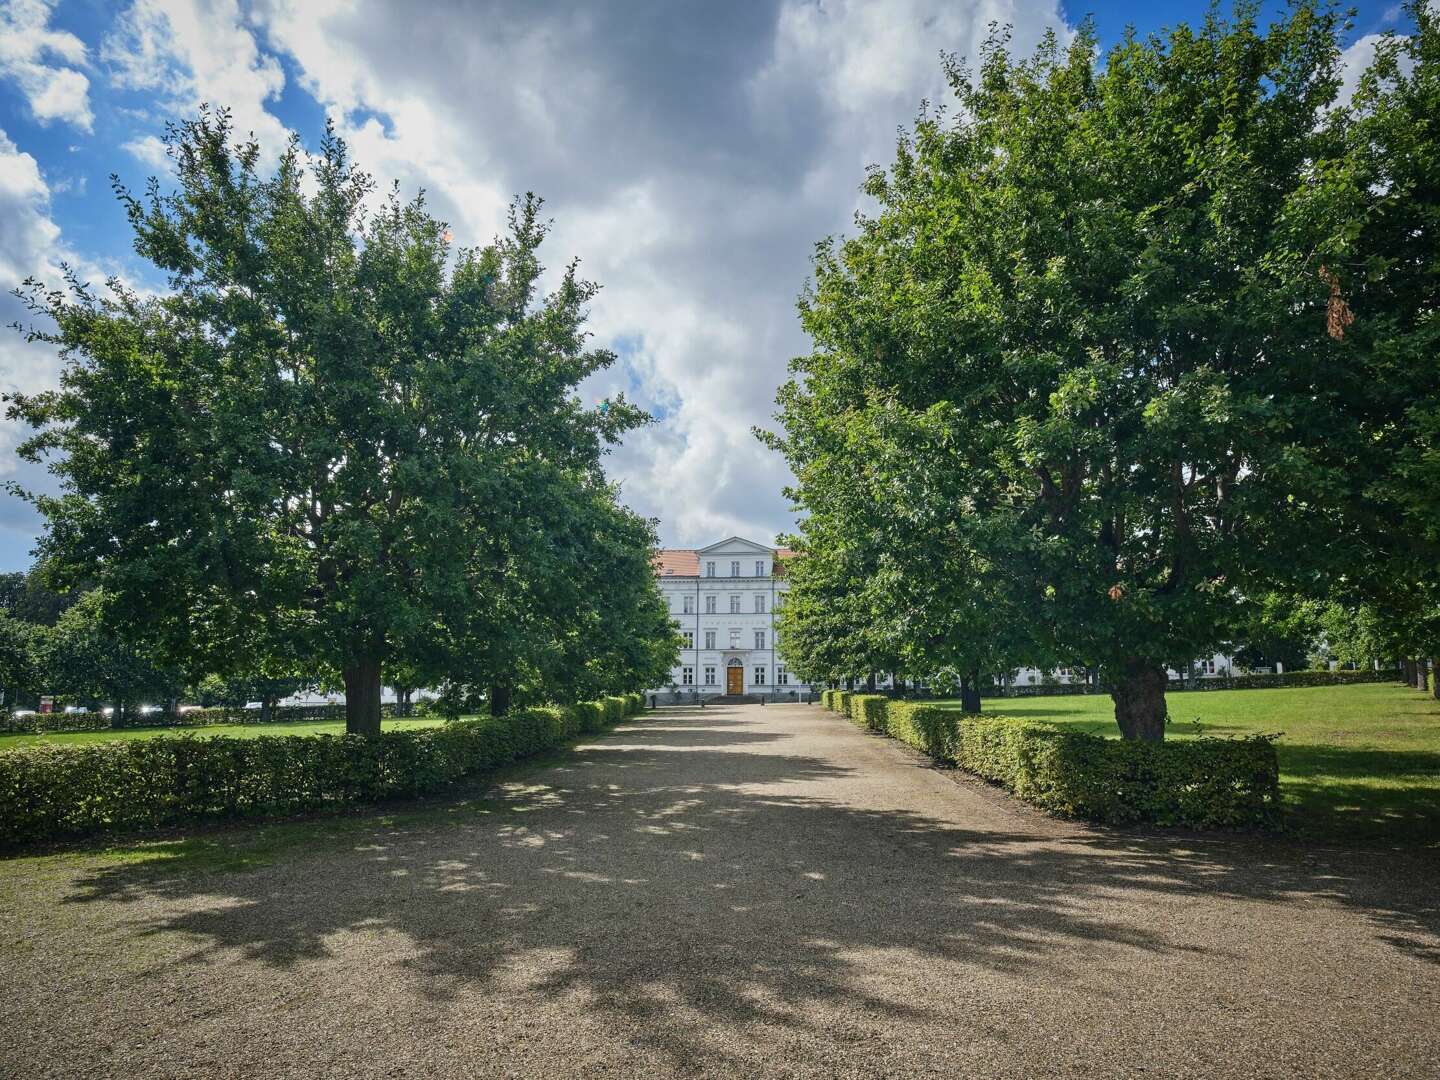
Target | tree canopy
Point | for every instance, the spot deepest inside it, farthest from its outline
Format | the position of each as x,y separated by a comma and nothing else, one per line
1097,342
335,439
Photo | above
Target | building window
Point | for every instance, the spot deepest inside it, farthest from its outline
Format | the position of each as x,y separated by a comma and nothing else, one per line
687,676
734,603
1030,678
782,677
735,638
709,569
735,568
709,674
689,605
759,639
1207,666
760,676
689,639
759,603
709,639
710,605
759,567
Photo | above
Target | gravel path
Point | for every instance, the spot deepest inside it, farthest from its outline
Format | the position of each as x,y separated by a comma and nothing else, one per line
741,891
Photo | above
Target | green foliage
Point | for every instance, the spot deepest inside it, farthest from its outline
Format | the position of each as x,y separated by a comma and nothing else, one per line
1204,783
83,656
50,791
842,701
869,710
1079,366
336,442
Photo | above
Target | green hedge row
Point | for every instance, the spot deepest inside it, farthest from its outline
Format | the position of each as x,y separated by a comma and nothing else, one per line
65,790
1204,783
37,723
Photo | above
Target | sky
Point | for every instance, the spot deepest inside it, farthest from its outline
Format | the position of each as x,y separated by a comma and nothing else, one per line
691,154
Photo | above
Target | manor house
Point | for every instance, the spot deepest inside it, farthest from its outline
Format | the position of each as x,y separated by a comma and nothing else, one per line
724,598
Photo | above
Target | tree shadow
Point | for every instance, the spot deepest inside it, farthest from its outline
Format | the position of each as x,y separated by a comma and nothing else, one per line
657,876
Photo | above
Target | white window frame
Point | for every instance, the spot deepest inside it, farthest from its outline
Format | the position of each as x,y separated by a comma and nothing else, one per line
709,639
759,674
687,605
734,567
709,674
689,636
710,604
734,637
759,639
734,603
782,677
759,567
687,676
709,569
759,603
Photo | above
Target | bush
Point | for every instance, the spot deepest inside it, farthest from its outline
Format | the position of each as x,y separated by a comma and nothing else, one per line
1206,783
60,790
869,710
842,701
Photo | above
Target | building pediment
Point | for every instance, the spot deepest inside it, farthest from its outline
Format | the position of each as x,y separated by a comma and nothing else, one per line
736,545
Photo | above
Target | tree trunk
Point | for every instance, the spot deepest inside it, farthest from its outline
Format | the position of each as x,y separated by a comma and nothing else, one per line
267,708
1407,670
362,697
970,693
117,715
1435,676
1139,696
499,700
870,682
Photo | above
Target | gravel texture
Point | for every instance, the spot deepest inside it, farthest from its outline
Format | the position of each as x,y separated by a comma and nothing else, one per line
742,891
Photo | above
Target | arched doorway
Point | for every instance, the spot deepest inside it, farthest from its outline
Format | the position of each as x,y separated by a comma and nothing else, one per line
735,676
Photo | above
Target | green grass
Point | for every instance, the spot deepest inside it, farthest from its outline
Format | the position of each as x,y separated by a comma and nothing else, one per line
239,731
1358,764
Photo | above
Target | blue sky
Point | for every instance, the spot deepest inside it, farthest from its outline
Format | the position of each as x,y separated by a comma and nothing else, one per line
691,154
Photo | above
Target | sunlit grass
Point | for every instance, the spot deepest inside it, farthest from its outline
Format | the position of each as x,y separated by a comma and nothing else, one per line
238,731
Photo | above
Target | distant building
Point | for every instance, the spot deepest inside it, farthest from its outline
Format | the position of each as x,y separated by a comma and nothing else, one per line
723,598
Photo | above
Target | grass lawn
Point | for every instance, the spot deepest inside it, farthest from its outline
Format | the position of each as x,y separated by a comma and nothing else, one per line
1358,764
239,731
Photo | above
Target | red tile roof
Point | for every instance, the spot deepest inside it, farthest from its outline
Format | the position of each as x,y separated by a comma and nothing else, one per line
676,562
685,562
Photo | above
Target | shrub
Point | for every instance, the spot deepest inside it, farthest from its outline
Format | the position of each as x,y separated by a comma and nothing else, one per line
869,710
842,701
1207,783
59,790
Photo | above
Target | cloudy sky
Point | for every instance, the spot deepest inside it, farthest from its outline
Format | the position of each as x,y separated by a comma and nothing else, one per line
691,154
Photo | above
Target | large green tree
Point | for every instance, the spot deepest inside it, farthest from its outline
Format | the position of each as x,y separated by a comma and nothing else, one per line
1102,367
334,436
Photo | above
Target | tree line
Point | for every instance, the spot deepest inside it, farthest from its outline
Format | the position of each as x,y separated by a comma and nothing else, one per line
336,446
1131,345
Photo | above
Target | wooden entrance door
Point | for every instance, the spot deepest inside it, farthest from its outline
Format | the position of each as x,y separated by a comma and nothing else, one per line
735,679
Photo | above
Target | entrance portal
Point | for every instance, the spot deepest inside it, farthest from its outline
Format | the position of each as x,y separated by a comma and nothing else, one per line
735,678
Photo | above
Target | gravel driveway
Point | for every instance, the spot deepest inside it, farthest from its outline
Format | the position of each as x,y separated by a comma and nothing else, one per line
743,891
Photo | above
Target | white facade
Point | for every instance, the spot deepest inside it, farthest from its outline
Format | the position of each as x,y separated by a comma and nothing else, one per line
723,600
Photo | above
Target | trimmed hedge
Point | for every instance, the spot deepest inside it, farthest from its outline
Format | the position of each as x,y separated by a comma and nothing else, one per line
868,710
1204,783
53,791
40,723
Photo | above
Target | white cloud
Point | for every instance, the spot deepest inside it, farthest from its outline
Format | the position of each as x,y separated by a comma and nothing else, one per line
151,150
198,51
43,63
691,156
